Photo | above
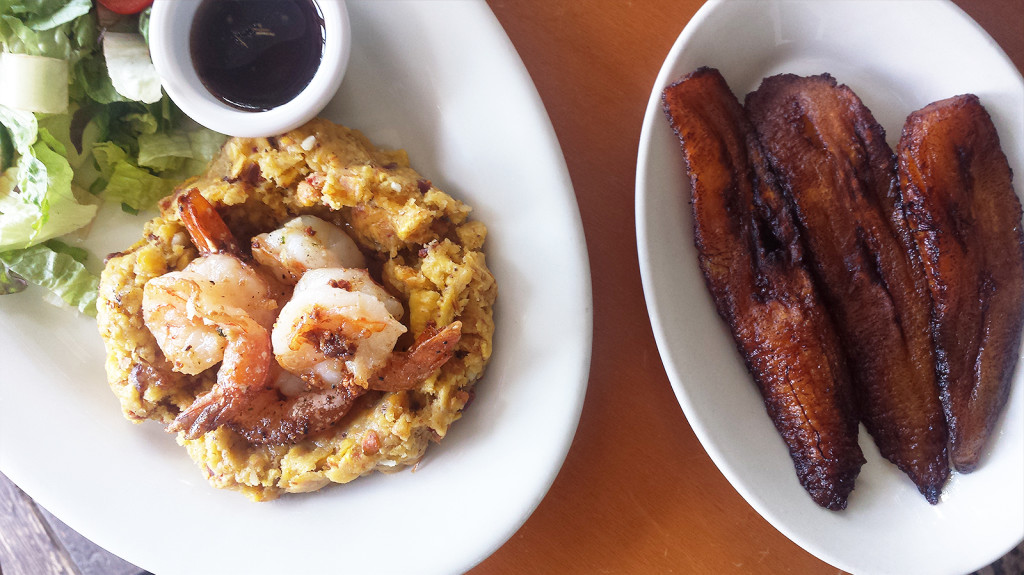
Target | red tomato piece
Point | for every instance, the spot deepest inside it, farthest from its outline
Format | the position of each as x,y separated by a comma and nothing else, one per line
125,6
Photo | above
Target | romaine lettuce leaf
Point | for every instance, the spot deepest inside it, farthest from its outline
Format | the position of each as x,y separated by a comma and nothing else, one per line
6,149
144,23
34,83
122,150
77,133
93,82
10,282
57,267
22,127
50,14
70,40
163,151
205,145
42,205
107,155
135,187
18,38
130,68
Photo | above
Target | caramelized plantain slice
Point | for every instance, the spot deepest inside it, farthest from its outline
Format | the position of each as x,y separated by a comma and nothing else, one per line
830,159
752,262
966,221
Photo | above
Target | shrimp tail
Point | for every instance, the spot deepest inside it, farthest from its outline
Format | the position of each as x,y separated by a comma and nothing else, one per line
432,349
207,412
267,417
271,418
274,419
207,229
242,382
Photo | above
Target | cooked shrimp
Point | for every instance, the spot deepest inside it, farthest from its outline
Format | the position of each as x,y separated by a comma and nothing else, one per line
274,418
277,418
193,313
339,327
207,229
407,369
216,310
337,333
306,243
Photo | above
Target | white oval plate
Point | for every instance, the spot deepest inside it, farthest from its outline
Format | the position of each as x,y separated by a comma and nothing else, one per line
898,57
441,80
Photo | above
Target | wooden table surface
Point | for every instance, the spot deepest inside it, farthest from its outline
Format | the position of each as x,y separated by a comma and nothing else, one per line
637,492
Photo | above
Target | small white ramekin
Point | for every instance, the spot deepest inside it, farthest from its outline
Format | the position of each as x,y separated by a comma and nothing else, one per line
169,28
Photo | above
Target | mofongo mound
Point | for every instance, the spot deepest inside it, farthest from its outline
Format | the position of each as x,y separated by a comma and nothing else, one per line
419,244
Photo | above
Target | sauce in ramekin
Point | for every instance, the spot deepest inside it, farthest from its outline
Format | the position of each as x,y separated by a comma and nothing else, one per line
256,55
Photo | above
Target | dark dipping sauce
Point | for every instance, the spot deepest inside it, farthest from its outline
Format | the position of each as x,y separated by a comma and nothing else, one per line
256,54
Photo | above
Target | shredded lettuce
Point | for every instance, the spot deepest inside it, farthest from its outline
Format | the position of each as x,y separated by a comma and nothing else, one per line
49,15
6,149
120,140
77,133
137,124
92,82
144,23
164,151
130,67
34,83
50,28
21,126
11,282
41,205
106,155
135,187
205,145
57,267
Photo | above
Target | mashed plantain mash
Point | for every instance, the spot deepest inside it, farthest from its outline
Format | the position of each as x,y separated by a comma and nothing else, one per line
420,244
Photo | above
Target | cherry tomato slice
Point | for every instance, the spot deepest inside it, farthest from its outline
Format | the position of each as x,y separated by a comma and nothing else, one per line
125,6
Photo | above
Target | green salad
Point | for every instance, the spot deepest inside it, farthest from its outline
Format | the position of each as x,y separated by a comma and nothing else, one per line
82,121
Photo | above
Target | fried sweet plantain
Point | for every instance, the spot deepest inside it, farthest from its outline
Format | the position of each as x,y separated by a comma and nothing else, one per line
752,262
966,221
832,163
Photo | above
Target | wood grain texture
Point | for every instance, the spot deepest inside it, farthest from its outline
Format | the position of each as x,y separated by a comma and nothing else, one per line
34,542
88,558
27,544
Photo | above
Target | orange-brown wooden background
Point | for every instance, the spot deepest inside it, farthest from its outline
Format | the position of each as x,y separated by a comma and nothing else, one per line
637,493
